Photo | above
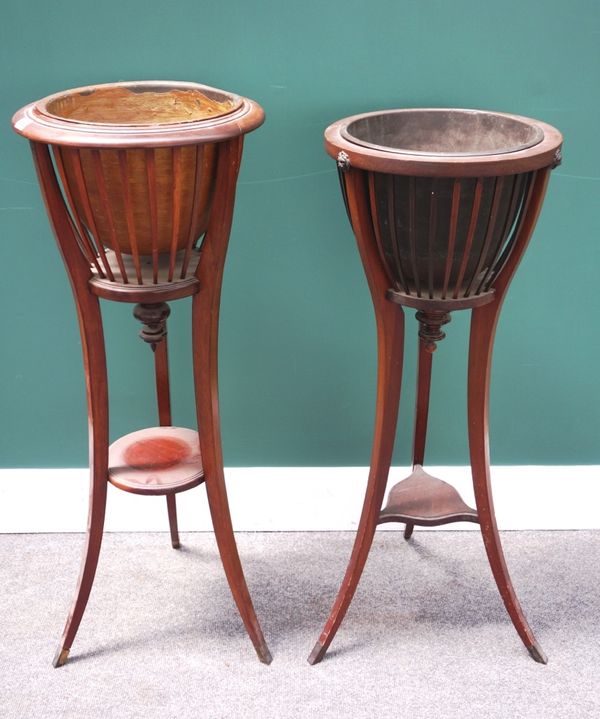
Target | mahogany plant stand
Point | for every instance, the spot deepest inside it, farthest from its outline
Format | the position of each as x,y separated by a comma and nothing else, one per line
139,184
443,204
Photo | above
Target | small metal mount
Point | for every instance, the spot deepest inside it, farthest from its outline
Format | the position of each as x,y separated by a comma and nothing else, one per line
154,320
557,157
343,161
430,327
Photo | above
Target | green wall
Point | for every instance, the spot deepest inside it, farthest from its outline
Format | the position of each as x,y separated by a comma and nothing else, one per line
297,331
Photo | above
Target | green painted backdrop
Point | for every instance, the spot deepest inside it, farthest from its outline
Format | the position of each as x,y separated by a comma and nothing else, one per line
297,332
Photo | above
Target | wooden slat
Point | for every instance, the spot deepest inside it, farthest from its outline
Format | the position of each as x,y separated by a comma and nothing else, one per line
511,217
84,241
153,204
412,232
123,167
88,212
103,193
391,207
470,236
176,208
433,208
498,187
194,211
342,180
375,217
505,256
456,188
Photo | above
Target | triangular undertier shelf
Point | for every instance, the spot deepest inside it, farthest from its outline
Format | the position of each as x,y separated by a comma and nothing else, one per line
425,500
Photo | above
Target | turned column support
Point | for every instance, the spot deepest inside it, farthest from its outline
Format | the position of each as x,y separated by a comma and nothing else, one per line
154,332
430,327
154,321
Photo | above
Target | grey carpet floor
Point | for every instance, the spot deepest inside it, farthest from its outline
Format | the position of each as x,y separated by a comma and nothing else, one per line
426,635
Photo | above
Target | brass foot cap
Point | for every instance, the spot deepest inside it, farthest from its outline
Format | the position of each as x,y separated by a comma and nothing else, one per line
264,654
60,657
537,654
317,653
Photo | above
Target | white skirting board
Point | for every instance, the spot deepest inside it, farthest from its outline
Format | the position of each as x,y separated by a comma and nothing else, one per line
276,499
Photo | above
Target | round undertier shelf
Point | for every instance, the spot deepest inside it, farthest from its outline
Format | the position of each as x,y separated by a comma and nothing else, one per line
157,460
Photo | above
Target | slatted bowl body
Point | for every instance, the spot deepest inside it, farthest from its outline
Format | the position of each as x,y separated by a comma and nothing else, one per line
137,164
447,191
110,177
441,237
100,180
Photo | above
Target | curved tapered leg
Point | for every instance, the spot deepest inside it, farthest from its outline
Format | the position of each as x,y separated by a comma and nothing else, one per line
172,512
483,324
96,382
204,339
390,329
97,395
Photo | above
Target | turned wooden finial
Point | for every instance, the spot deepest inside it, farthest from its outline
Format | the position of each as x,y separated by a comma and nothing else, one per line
154,320
430,327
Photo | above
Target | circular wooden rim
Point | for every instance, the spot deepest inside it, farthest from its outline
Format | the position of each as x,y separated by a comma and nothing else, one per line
543,154
36,123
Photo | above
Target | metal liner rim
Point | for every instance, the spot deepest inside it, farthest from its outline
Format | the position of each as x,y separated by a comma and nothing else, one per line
41,106
539,133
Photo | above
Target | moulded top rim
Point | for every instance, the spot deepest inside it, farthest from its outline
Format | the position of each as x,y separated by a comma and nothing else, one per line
439,132
48,120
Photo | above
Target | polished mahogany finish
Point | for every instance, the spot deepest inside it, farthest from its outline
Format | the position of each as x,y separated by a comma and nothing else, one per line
443,204
139,183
